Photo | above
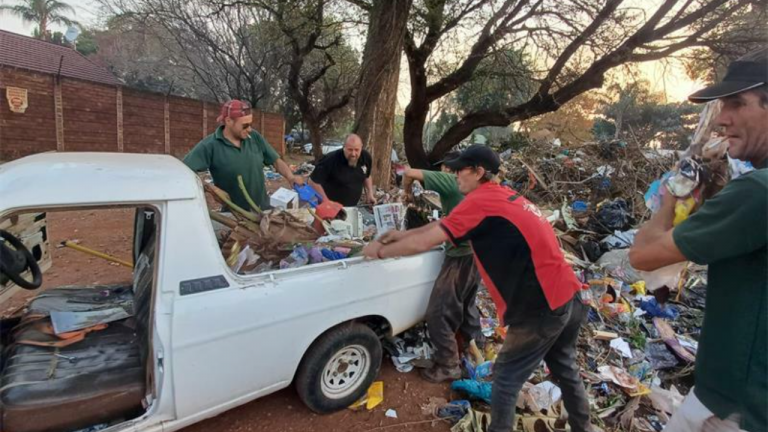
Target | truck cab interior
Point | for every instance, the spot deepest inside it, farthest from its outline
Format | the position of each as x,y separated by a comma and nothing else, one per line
96,375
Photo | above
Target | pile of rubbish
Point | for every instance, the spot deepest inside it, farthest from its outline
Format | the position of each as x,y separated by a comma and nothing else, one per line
638,348
549,174
300,229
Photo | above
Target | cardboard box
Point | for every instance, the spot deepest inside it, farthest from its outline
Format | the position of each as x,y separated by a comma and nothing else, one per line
285,199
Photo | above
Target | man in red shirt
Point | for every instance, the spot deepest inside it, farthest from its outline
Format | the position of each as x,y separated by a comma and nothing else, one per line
520,261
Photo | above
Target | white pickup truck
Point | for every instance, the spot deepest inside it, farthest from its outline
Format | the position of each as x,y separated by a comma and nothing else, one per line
201,339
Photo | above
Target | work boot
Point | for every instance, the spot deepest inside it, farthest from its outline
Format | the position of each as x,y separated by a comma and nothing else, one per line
439,373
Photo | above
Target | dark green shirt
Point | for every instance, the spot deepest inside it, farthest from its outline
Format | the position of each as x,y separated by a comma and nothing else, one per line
730,234
450,196
225,162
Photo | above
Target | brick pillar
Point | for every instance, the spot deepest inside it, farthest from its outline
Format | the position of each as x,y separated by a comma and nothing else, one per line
167,126
205,119
59,111
119,100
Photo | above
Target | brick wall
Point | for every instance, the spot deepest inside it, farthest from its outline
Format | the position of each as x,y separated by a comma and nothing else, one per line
35,130
90,119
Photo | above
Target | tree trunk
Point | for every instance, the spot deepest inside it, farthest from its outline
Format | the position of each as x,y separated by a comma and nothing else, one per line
413,133
417,110
316,136
379,75
43,27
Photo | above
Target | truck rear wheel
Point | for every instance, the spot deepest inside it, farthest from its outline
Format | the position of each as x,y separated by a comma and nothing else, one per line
338,368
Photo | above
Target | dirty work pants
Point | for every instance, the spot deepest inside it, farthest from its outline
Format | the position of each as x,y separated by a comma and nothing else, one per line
550,336
452,308
693,416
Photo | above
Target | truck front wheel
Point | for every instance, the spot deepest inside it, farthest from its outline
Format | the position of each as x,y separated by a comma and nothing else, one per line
338,368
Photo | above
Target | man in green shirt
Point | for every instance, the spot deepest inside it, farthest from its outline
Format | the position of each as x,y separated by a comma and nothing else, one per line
235,149
452,304
730,234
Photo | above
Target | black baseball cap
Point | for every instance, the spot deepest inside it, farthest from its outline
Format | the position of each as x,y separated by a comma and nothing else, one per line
741,76
476,156
448,156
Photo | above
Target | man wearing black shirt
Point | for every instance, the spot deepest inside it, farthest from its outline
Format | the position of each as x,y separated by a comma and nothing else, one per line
341,175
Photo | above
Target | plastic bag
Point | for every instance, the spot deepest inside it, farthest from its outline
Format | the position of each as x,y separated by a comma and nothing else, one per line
298,258
668,276
612,216
474,389
616,263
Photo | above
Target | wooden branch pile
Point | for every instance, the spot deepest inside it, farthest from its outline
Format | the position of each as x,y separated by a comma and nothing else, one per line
271,235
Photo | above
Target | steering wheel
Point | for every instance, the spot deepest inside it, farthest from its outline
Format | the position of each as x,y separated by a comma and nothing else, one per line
15,260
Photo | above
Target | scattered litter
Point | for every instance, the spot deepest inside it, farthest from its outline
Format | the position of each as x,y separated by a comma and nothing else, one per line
391,413
473,421
545,424
432,406
454,411
604,335
298,258
388,217
474,389
373,397
659,356
618,377
65,322
410,349
670,338
542,396
691,345
622,347
484,370
616,263
654,309
667,401
620,240
612,216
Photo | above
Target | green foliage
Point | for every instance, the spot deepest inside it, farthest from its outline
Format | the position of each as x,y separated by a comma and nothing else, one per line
502,79
435,129
639,114
86,43
515,140
637,336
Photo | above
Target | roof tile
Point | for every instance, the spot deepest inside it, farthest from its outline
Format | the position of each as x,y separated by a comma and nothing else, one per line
40,56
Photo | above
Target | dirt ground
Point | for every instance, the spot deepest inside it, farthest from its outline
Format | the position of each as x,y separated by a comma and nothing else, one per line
110,231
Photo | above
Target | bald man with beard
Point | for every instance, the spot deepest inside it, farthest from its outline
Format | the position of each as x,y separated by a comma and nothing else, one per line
342,175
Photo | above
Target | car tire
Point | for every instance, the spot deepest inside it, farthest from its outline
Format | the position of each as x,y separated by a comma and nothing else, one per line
338,368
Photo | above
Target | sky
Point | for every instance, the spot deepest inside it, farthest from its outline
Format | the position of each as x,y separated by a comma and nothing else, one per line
666,77
85,12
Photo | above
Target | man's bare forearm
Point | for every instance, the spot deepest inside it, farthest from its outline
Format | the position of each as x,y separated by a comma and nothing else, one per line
285,170
418,241
319,189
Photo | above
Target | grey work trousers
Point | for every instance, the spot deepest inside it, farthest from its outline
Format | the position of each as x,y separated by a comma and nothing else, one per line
551,337
452,308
